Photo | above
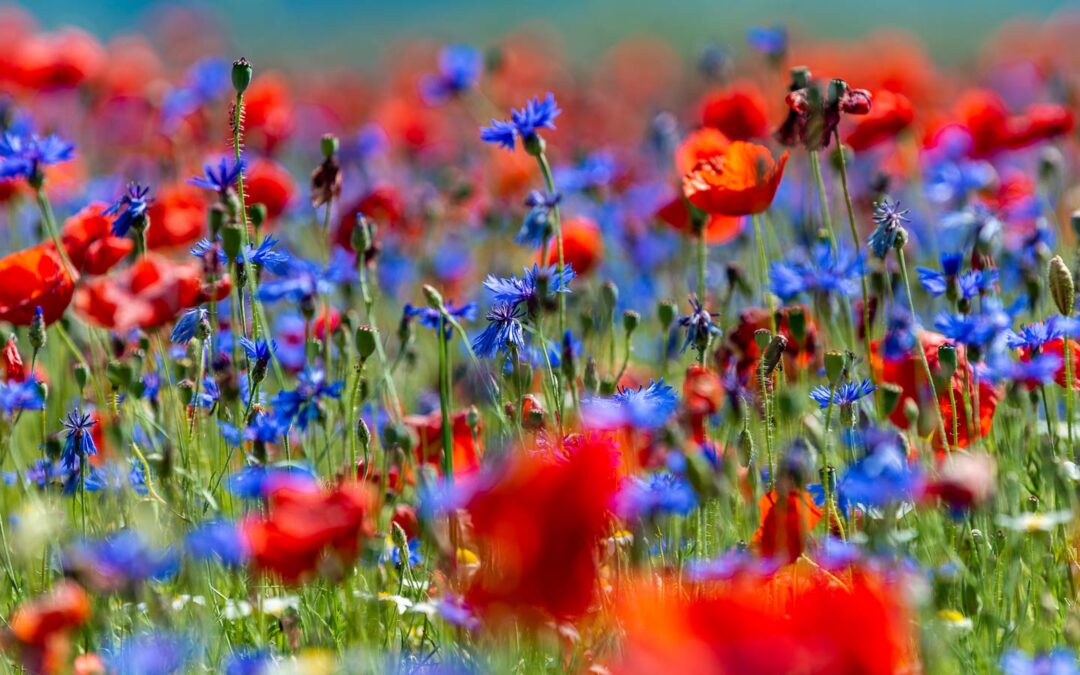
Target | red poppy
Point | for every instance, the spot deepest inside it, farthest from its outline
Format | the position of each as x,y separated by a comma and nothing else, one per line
177,217
327,316
42,627
583,246
405,518
14,370
800,354
891,114
268,111
60,60
87,238
698,147
306,530
538,528
466,449
740,181
1057,348
718,229
787,623
906,371
268,183
994,129
31,278
965,480
149,294
382,204
703,394
738,112
785,524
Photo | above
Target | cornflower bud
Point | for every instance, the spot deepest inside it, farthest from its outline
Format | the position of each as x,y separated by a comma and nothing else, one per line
363,433
231,240
38,334
433,297
1062,287
834,367
665,313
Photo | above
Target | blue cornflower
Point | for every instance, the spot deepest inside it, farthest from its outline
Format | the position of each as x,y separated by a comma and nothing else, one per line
302,279
301,405
460,67
248,662
1038,368
889,218
524,123
772,41
661,493
514,292
392,554
825,271
257,481
188,325
263,429
267,255
503,331
698,324
209,394
222,179
217,540
131,208
79,443
1055,662
537,226
431,317
976,329
1033,336
976,282
259,352
204,82
642,408
844,395
124,557
17,396
151,654
880,478
937,283
24,155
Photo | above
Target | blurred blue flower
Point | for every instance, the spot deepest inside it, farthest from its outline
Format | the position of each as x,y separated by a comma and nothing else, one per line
23,155
524,123
220,180
460,67
219,540
301,405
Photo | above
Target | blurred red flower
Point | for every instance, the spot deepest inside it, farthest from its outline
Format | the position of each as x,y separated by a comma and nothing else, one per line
906,371
60,60
383,205
466,449
39,630
268,183
31,278
891,114
583,245
177,217
800,355
149,294
718,229
786,521
738,112
806,621
538,527
268,111
87,238
993,129
740,181
307,529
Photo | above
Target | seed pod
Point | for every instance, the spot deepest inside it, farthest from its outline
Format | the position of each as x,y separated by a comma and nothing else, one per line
946,360
665,313
242,73
834,366
630,320
365,342
1062,288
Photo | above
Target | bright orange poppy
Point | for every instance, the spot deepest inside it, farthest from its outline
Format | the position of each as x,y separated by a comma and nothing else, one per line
740,181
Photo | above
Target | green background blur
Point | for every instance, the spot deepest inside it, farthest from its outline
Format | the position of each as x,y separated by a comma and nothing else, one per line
354,31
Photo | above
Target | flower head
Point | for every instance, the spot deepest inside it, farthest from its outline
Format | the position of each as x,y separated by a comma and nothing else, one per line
524,123
825,271
460,67
537,226
503,331
190,324
844,395
889,218
740,180
130,209
79,443
25,155
529,288
222,178
301,405
698,324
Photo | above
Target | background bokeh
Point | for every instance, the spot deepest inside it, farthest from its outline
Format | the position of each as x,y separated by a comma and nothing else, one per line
357,31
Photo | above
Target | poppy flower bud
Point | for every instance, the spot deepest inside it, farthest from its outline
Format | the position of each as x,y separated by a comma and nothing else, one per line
231,240
37,329
119,374
241,75
363,433
82,376
257,215
1062,288
665,313
534,419
745,448
400,539
433,297
773,353
834,366
630,320
609,294
761,338
890,397
591,379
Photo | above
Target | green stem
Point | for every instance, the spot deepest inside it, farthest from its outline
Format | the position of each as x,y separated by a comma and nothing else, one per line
855,240
823,197
902,260
556,220
50,226
763,262
1069,394
256,331
444,403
